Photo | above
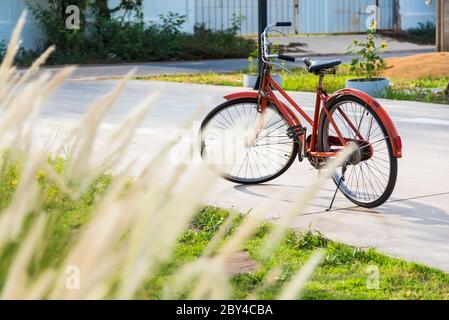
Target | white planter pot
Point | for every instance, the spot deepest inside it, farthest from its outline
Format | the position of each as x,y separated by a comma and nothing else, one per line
249,80
377,87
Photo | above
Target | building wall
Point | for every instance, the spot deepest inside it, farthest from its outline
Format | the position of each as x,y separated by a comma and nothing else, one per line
153,9
343,16
415,11
316,16
10,11
218,14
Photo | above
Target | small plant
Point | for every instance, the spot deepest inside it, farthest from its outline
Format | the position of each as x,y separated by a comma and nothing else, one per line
172,23
253,65
446,92
236,23
368,63
129,8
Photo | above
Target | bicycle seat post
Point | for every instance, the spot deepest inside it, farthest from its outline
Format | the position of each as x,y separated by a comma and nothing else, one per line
321,80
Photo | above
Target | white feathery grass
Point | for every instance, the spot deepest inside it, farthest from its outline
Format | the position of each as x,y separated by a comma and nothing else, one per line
212,280
293,288
17,276
135,224
13,48
23,201
119,140
230,247
273,240
36,65
219,235
270,279
86,133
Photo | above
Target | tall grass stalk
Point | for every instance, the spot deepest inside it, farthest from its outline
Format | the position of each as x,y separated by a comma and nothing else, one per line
134,225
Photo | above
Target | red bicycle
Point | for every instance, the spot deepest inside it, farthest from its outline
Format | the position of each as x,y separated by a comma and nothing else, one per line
255,136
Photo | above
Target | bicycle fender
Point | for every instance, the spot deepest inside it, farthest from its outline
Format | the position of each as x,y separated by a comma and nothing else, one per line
243,94
395,138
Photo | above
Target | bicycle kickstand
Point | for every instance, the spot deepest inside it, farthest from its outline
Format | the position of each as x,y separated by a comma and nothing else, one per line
342,178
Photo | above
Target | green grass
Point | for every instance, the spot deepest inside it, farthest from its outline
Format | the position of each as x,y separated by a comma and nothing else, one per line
342,275
66,216
301,80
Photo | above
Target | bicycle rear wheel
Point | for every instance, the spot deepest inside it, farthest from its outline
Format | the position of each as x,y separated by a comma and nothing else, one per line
229,145
371,173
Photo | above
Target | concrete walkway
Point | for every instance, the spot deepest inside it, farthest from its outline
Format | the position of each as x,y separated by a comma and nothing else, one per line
338,44
108,71
413,225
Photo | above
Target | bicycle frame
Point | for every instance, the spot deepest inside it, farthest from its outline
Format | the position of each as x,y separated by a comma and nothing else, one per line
322,100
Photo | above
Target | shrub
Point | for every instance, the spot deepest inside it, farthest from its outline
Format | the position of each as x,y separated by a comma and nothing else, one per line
23,57
106,38
425,32
208,44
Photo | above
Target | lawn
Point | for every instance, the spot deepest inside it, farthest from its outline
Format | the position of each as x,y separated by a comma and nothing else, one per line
421,89
343,274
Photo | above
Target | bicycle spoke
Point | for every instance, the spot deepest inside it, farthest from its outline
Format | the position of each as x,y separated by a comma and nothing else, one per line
367,180
225,144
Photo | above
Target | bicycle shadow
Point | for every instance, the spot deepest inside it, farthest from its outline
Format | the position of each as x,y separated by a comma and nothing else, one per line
248,190
407,209
415,211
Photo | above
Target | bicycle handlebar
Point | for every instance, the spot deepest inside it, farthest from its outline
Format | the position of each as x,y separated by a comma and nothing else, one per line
286,58
265,49
283,24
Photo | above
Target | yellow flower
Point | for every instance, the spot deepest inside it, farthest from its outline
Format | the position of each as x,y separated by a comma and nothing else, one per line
14,183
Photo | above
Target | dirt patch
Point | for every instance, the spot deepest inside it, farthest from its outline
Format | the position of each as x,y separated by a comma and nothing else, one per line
240,263
417,66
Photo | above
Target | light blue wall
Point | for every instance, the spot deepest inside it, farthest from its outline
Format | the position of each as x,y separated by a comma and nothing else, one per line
152,9
334,16
10,11
414,11
218,14
316,16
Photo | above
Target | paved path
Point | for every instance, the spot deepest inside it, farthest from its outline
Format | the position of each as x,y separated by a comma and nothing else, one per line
105,72
90,72
338,44
414,224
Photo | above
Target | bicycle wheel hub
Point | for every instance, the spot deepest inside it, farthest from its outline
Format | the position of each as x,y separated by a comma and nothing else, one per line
363,152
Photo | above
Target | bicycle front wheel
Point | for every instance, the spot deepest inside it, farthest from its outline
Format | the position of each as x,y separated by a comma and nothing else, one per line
243,148
371,171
